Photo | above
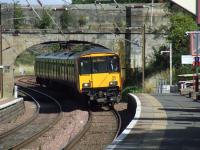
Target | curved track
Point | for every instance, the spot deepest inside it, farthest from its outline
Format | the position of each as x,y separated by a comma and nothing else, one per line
28,121
49,110
102,128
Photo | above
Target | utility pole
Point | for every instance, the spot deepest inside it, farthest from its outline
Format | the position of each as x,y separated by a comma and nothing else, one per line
143,56
1,61
170,57
128,43
197,67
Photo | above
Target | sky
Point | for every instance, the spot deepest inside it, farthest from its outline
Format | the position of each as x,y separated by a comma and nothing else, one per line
34,2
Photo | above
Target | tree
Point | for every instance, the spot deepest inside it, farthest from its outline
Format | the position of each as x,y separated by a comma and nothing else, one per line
45,21
180,23
82,21
66,20
18,15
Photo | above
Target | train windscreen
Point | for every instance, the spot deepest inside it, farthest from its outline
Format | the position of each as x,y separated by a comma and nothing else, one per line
99,65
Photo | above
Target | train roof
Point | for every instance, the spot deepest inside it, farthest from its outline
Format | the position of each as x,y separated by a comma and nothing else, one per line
94,50
68,54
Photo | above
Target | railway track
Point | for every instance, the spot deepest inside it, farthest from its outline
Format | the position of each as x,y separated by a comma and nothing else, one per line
26,80
27,132
102,128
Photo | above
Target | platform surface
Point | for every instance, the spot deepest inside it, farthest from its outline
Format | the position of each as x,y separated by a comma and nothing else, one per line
9,101
166,122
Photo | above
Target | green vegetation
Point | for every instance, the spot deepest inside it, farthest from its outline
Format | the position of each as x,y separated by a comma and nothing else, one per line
66,20
130,89
49,48
24,63
45,21
82,21
180,23
26,58
24,70
18,16
158,62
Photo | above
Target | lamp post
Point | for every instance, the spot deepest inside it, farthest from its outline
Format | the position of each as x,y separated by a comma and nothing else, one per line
170,61
1,61
152,5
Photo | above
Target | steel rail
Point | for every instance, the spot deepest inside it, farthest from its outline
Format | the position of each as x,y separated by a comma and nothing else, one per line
44,129
78,137
26,82
27,121
119,120
35,136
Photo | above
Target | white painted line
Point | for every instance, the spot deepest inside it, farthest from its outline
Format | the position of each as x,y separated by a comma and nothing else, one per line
131,125
10,103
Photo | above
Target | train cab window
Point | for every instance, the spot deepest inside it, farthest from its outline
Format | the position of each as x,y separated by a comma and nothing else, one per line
85,66
99,65
113,64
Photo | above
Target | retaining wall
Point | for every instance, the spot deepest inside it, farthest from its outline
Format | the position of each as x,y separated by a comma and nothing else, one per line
132,105
11,110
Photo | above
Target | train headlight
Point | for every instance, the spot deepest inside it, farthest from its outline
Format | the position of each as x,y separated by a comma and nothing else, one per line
86,85
113,83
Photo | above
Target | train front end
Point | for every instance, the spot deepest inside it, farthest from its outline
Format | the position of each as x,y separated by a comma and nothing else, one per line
100,78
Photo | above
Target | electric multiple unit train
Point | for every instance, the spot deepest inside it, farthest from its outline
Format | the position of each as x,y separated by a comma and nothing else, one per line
94,72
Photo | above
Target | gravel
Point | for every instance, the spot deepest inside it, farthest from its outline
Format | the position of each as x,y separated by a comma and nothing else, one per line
30,109
73,121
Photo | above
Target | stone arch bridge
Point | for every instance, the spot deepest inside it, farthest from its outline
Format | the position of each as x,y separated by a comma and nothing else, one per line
14,44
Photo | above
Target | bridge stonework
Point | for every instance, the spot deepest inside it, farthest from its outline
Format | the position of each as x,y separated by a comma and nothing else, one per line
13,46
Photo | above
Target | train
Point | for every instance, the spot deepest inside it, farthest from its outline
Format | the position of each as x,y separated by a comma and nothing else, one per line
94,72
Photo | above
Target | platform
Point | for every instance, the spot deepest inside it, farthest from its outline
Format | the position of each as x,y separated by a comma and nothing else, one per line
162,122
147,123
10,109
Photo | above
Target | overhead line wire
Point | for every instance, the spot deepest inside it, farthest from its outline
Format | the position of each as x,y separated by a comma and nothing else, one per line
33,10
40,3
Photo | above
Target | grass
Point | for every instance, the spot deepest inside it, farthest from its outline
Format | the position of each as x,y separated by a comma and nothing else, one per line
24,70
150,83
130,89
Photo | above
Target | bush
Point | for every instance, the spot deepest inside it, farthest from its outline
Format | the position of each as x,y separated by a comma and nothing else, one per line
130,89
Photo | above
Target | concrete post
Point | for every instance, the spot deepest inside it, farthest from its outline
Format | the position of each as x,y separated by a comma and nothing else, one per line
15,91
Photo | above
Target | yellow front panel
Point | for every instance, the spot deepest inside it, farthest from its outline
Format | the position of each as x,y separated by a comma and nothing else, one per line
97,55
86,78
100,79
